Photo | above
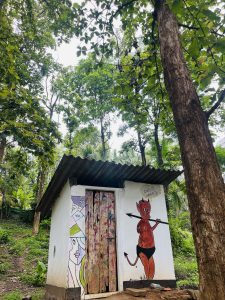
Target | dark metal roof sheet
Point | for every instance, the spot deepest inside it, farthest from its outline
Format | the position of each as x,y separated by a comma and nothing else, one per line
99,173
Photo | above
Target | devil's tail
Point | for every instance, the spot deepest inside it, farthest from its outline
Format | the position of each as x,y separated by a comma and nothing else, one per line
126,255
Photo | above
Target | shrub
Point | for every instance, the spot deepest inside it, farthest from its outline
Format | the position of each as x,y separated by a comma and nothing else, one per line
45,224
181,236
186,272
38,277
4,236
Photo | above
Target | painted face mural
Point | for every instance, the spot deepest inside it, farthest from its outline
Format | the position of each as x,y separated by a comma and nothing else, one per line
146,244
77,244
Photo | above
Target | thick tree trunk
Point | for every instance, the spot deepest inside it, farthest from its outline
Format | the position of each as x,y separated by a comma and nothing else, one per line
204,182
142,149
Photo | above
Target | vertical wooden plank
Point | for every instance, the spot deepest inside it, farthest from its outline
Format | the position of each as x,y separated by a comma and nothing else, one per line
93,241
88,220
112,242
104,259
96,227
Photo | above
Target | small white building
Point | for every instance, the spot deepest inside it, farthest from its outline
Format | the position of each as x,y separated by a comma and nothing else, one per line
102,239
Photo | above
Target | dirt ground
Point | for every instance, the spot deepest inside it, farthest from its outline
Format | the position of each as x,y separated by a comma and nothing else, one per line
12,282
154,294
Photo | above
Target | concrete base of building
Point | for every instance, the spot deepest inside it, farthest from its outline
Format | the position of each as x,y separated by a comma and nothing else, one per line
139,284
59,293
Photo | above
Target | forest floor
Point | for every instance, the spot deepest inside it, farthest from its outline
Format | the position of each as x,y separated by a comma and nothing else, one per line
23,260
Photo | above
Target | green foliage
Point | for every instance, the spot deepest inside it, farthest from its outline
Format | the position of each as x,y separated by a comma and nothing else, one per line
201,26
4,267
37,277
181,235
17,247
186,272
45,224
177,198
220,153
31,250
15,295
87,93
4,236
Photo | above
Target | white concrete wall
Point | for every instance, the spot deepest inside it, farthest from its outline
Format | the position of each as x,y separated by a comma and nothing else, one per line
59,236
126,228
127,235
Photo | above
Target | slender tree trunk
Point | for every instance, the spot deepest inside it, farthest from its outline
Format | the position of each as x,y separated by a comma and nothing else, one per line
2,148
2,153
204,182
158,146
40,190
160,161
36,222
142,149
3,203
103,140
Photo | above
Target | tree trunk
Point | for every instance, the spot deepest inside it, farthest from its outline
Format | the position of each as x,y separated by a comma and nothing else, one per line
36,222
2,148
103,140
204,182
40,190
142,149
158,146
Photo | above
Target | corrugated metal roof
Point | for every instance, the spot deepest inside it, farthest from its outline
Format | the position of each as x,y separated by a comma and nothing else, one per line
99,173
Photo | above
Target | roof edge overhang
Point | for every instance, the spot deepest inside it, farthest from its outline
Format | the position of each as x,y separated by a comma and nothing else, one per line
98,173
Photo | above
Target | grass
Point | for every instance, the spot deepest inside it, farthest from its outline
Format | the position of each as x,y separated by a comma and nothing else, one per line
16,295
27,254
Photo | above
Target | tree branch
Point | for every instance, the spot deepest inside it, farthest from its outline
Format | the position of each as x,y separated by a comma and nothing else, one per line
120,7
216,105
188,26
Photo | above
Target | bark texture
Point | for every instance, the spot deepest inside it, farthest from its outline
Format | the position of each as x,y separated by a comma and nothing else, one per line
36,222
204,182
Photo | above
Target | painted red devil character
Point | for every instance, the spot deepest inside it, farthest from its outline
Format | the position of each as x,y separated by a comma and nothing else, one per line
146,243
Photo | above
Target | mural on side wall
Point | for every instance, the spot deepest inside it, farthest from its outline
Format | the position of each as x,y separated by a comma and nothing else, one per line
146,244
76,264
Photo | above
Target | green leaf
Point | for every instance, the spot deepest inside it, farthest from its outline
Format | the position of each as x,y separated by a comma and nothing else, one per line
194,48
211,15
220,44
177,6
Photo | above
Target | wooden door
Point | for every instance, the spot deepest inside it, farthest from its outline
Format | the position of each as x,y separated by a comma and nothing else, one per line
100,270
